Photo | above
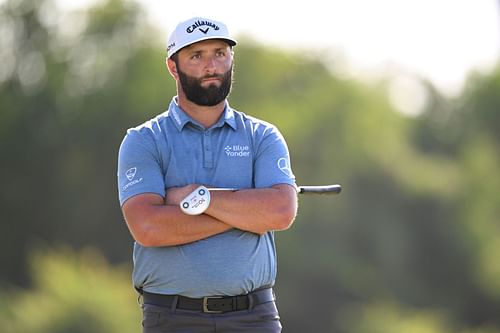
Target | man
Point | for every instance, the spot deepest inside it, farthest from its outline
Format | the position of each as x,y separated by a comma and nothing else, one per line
214,271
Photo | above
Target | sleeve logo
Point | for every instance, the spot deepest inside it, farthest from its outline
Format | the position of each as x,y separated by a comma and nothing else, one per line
284,166
130,173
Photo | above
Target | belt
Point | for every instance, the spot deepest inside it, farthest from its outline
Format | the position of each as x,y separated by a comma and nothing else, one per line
211,304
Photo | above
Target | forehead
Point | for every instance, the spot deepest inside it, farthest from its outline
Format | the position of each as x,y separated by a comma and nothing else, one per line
206,45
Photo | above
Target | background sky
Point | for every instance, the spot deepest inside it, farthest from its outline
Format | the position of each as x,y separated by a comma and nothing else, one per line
442,40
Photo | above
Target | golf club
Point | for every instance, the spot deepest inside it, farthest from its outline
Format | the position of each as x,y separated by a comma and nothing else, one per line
198,200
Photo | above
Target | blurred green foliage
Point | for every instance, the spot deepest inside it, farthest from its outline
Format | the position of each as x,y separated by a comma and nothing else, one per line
409,246
72,292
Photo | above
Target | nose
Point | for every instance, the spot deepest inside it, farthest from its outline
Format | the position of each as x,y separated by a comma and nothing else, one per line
210,65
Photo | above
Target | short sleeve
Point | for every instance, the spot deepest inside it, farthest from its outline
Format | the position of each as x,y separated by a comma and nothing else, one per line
272,163
139,166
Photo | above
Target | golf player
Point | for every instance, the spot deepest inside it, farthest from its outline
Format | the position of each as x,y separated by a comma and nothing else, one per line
212,270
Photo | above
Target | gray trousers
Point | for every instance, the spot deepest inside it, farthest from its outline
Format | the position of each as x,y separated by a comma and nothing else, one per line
262,318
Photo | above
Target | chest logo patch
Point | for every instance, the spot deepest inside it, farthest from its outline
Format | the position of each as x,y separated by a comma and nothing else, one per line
237,151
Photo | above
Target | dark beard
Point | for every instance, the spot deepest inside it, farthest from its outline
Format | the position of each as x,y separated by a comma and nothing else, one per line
210,96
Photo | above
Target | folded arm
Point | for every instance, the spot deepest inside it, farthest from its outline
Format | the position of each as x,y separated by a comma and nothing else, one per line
255,210
154,222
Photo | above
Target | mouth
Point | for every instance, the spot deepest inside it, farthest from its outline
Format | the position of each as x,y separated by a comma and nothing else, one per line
211,79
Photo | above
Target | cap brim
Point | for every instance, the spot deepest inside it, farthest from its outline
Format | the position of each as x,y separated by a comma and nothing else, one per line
229,41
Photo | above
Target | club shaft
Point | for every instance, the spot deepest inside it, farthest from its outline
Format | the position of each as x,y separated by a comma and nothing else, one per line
303,189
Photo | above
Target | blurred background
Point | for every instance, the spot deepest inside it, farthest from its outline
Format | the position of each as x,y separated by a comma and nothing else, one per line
411,245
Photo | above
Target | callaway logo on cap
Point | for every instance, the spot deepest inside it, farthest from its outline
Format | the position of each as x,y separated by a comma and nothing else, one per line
195,30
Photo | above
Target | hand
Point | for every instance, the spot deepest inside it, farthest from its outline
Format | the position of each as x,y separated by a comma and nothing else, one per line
175,195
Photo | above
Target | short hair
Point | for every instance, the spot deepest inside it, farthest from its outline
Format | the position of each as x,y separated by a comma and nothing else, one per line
175,58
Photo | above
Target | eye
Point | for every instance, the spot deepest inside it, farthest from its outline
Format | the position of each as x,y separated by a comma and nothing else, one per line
221,53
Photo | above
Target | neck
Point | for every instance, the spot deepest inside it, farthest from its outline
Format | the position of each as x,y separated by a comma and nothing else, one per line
205,115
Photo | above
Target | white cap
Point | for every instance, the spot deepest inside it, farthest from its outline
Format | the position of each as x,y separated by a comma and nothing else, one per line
195,30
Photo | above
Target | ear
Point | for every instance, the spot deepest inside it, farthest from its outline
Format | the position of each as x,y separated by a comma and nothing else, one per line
172,68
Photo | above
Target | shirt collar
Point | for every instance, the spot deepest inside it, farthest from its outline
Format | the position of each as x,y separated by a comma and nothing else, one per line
228,117
180,118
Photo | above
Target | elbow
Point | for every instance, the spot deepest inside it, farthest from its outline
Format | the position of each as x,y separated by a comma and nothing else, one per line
143,236
286,208
285,222
143,218
149,236
152,241
280,220
285,217
146,241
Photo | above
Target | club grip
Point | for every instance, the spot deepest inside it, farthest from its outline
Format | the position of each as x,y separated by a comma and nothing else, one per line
320,189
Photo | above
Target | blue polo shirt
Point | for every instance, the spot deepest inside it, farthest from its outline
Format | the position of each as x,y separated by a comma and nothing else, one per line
174,150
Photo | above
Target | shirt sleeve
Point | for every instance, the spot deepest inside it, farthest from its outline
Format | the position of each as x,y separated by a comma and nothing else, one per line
272,164
139,166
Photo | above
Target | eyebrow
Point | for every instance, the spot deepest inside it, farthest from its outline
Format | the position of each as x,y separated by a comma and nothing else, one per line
198,51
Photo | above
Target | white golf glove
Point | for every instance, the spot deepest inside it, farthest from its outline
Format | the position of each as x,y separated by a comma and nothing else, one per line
196,202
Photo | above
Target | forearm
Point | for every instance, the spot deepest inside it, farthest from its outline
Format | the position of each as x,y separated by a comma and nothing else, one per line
255,210
157,224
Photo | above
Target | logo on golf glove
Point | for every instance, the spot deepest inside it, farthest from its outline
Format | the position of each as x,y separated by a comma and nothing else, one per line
196,202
